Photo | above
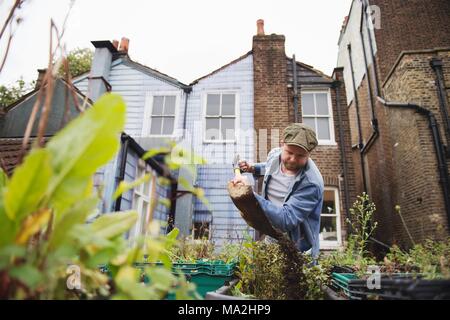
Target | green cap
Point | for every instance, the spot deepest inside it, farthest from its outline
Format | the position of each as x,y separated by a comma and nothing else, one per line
301,135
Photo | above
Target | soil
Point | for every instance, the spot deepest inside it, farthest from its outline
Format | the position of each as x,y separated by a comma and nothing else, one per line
295,279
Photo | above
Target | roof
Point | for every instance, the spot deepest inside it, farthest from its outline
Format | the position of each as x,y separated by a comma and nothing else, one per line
306,75
345,23
10,152
222,67
14,122
152,72
126,60
36,90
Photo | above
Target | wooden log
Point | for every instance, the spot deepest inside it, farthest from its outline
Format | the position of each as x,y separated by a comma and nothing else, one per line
250,210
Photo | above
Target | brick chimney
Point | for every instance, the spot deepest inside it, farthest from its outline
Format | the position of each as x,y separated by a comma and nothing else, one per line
101,65
40,78
271,102
124,43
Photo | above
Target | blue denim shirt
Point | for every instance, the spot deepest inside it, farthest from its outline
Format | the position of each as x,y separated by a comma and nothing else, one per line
300,214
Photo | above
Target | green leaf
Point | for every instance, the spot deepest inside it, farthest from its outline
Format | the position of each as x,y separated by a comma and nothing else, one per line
113,224
28,185
8,226
32,225
3,178
153,152
127,282
162,277
165,202
74,216
125,186
172,235
9,252
28,275
84,145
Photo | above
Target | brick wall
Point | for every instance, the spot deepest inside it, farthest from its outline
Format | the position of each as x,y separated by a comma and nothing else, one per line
418,189
270,89
410,25
273,103
401,166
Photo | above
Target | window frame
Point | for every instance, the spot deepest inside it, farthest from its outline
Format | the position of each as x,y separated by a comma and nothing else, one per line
148,110
329,244
236,116
332,140
139,192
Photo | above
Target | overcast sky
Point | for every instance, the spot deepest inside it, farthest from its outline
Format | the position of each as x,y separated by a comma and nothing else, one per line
184,39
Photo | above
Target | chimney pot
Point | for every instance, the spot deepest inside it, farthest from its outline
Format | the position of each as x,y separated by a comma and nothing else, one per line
116,44
124,43
260,27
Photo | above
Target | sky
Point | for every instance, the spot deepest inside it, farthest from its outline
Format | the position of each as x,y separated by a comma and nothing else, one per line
184,39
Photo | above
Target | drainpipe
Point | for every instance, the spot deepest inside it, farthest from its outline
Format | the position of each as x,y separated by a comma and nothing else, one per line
436,64
187,91
374,120
360,141
294,71
337,85
440,153
123,163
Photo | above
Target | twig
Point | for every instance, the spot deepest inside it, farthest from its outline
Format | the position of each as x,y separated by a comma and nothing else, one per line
10,16
6,52
8,22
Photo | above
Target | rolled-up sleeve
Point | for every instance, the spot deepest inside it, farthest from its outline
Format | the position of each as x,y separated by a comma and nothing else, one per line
260,169
294,211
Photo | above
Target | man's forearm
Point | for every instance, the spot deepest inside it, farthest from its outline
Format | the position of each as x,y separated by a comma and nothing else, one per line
259,169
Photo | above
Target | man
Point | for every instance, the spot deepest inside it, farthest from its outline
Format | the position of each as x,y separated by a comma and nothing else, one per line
292,191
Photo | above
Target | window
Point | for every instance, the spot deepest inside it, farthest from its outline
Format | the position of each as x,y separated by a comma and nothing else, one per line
220,117
141,200
330,224
160,116
316,112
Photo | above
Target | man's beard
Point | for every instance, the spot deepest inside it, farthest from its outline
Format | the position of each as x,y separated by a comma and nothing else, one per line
292,167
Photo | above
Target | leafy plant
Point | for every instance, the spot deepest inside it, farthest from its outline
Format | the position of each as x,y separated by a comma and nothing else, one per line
355,255
430,259
361,224
12,93
79,61
190,250
265,272
43,213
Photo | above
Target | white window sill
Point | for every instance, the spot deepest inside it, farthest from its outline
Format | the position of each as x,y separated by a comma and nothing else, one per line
326,143
172,136
219,141
330,246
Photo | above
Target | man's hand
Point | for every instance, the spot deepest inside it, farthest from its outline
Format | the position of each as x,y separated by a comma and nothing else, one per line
246,167
240,180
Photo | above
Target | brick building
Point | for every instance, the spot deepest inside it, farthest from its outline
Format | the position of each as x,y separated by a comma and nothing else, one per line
287,91
396,60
